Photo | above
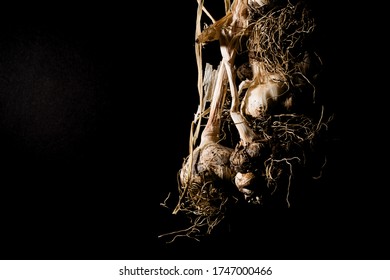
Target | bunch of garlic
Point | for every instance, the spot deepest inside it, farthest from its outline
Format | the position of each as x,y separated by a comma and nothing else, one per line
266,105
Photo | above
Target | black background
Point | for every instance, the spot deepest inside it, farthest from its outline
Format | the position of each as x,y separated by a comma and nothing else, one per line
96,102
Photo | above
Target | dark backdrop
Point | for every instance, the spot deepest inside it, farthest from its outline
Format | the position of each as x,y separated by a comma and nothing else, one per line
95,109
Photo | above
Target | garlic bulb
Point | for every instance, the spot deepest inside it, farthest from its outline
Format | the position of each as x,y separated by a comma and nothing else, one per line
265,89
243,180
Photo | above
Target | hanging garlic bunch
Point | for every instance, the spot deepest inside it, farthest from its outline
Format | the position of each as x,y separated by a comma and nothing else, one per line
267,108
